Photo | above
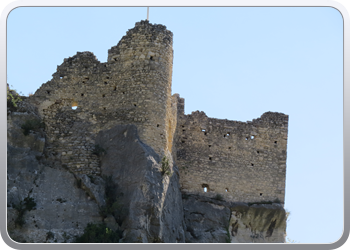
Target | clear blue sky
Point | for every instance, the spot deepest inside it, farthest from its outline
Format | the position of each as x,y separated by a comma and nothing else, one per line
233,63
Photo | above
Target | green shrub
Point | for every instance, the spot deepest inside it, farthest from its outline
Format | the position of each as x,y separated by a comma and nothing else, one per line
12,99
32,124
99,233
165,167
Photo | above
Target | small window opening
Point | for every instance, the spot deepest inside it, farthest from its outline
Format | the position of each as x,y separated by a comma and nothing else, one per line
48,91
229,147
205,187
82,94
183,130
260,194
209,158
258,152
115,59
209,146
151,58
252,137
203,130
104,108
183,141
228,134
103,95
183,126
107,77
83,81
252,164
123,93
74,105
115,88
205,133
86,78
275,142
226,189
61,77
106,83
246,138
135,105
157,125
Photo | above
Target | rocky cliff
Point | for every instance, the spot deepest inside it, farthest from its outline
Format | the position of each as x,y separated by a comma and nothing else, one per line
137,197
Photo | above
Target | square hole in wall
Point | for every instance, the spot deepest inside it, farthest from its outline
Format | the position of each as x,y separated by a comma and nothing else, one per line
252,137
261,194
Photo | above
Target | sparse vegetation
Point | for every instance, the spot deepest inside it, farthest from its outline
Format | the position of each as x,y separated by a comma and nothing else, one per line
185,196
13,98
98,150
27,204
165,169
32,125
113,205
99,233
228,236
264,202
219,197
157,240
49,235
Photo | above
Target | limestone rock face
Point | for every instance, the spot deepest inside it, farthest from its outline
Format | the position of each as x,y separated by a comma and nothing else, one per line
150,207
213,221
152,200
263,223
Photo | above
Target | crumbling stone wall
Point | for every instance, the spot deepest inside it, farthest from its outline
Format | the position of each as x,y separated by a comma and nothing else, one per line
132,87
241,161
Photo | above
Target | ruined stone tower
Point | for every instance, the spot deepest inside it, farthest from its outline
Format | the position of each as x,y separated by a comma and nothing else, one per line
241,161
132,87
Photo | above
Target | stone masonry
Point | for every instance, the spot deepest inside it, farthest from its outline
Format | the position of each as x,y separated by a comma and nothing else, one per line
241,161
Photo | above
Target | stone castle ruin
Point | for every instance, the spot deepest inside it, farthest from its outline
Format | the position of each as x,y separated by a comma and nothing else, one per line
241,161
